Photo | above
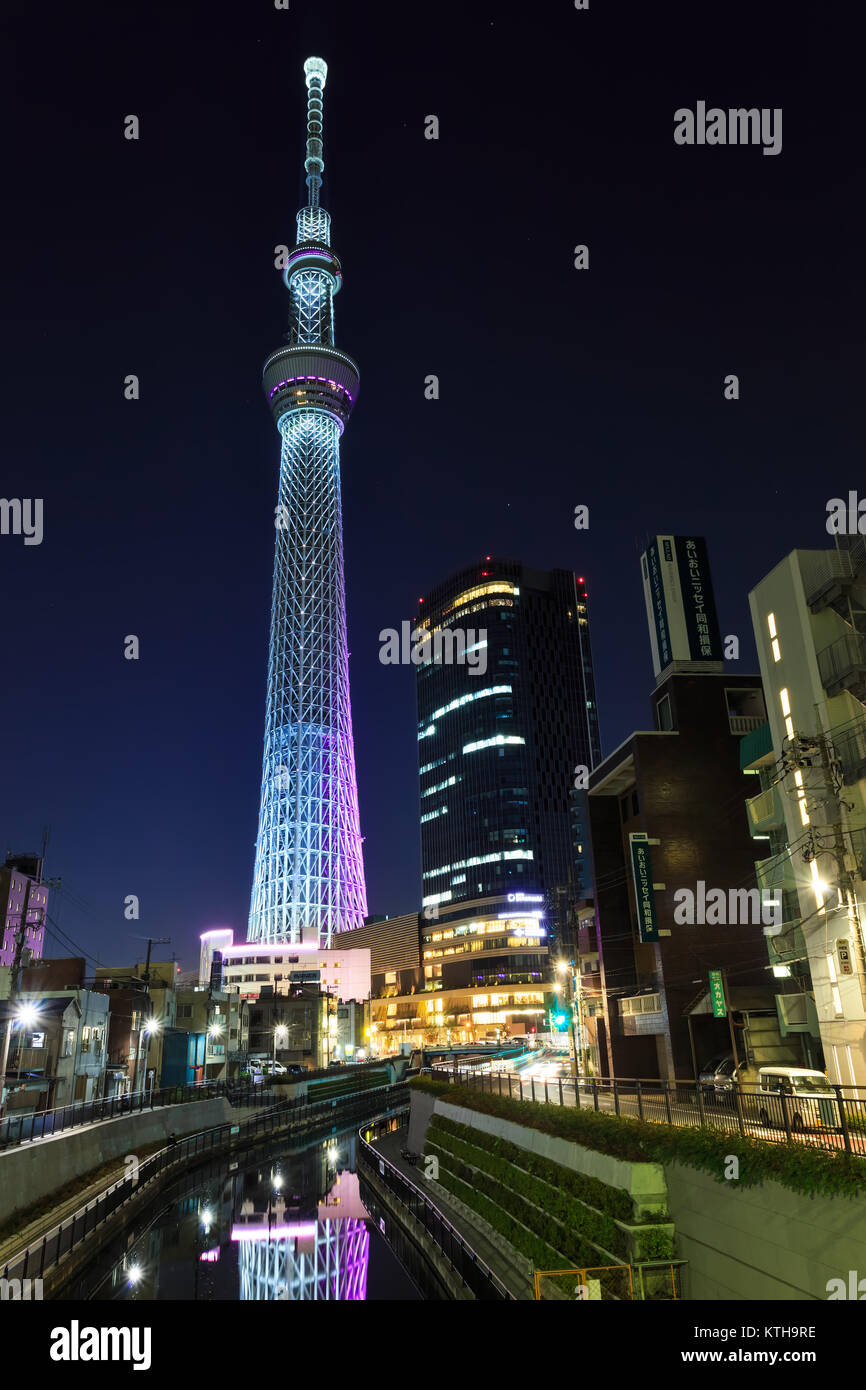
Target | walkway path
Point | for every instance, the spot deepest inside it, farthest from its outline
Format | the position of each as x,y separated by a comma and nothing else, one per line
505,1269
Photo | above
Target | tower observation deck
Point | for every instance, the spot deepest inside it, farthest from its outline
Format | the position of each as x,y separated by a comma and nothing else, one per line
308,880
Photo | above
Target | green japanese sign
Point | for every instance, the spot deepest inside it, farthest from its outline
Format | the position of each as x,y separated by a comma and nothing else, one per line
641,868
717,994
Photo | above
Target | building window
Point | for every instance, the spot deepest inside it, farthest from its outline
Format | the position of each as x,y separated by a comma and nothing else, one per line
68,1042
664,716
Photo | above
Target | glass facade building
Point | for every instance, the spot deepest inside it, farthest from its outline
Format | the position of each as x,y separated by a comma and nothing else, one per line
502,734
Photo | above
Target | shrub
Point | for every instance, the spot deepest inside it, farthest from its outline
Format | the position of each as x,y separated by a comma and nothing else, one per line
800,1167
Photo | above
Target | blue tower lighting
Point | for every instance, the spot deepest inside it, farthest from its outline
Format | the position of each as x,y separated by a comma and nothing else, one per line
308,880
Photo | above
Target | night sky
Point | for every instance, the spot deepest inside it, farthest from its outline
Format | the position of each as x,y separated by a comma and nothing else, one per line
558,387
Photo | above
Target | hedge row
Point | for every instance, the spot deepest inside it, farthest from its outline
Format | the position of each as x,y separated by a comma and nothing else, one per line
537,1251
571,1214
800,1167
595,1193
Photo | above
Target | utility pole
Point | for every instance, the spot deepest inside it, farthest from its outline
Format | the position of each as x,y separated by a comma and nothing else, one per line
844,884
15,971
13,994
141,1055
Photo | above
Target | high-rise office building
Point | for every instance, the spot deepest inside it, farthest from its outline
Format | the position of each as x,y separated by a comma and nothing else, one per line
309,875
499,740
506,718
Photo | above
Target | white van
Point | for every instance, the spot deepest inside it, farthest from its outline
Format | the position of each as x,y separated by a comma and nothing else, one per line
809,1098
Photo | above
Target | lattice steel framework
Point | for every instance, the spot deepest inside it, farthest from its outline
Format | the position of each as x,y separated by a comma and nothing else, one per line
309,873
332,1266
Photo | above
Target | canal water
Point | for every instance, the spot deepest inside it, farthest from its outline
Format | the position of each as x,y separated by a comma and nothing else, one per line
282,1224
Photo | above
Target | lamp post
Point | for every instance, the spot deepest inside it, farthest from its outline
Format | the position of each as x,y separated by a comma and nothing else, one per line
567,968
26,1016
215,1031
280,1028
152,1025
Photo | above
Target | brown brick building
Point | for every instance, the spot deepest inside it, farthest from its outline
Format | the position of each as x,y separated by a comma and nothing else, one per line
681,786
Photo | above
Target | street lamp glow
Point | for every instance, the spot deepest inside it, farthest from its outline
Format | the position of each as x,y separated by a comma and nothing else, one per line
135,1273
207,1218
27,1015
152,1025
215,1030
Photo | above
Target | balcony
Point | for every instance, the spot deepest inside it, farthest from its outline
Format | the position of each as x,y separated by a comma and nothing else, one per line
765,812
850,748
745,723
31,1059
842,666
775,873
641,1014
788,947
827,577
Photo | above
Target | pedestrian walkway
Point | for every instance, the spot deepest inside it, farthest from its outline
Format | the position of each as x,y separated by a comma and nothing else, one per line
513,1277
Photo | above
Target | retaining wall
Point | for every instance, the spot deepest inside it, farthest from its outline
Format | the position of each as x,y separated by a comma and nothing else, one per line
36,1170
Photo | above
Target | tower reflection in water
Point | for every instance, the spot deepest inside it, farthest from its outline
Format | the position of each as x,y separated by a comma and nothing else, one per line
285,1251
286,1226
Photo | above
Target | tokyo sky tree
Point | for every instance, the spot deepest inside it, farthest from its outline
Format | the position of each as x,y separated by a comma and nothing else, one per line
309,873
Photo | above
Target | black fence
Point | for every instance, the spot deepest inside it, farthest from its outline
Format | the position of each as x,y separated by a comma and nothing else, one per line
467,1265
46,1252
22,1129
833,1119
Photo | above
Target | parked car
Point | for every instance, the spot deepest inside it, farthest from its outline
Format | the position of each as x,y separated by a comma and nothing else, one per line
717,1070
809,1098
274,1069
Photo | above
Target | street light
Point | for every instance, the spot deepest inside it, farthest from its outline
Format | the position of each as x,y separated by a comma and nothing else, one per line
567,968
26,1015
152,1026
280,1028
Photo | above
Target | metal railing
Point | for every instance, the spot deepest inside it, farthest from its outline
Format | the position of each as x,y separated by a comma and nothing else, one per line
45,1253
835,1121
23,1129
473,1272
841,659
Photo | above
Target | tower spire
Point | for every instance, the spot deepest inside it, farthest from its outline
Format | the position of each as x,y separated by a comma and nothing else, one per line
316,73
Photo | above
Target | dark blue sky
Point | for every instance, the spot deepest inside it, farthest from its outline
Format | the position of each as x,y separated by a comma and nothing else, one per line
557,387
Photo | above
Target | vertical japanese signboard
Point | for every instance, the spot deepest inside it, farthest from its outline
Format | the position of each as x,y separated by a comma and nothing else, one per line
717,994
641,868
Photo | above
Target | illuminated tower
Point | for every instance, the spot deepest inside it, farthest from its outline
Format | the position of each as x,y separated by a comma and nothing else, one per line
309,873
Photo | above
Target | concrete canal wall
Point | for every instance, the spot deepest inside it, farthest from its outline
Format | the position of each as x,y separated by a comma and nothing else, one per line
803,1242
36,1170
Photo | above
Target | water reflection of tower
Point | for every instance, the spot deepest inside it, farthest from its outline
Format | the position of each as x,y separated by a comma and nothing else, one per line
318,1252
